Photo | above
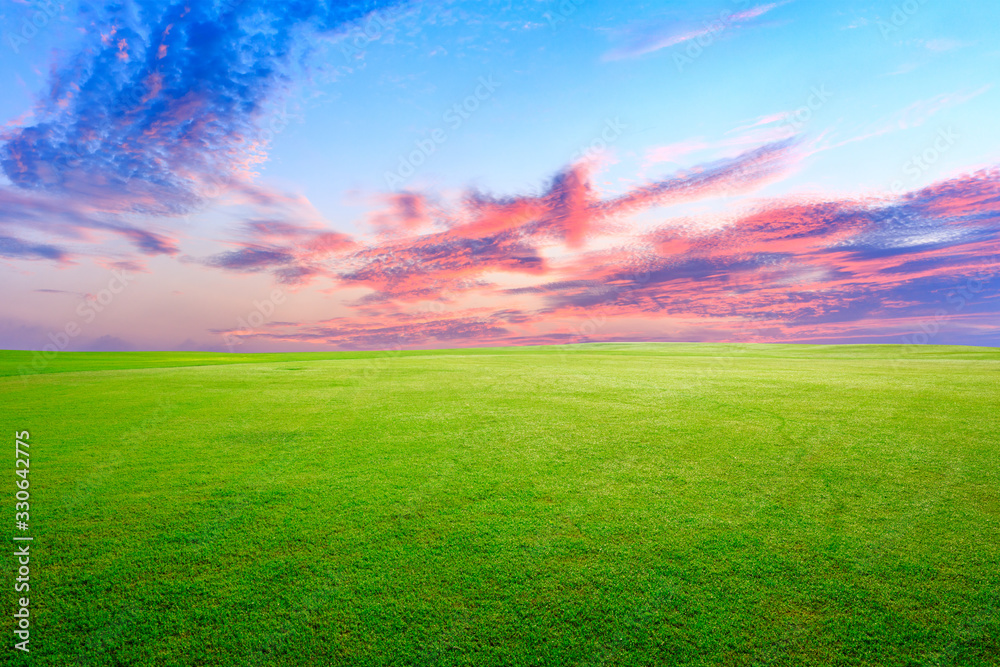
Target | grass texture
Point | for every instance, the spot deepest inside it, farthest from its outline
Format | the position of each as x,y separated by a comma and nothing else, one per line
599,505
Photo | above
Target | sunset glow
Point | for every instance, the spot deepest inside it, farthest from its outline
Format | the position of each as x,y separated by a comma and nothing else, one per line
250,176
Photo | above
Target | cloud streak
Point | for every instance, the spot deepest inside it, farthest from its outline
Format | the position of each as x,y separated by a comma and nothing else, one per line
649,39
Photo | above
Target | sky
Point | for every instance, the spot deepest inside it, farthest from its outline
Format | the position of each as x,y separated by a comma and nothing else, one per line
250,176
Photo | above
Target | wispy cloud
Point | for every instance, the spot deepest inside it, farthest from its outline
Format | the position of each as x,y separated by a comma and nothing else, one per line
921,111
647,39
76,221
17,249
914,115
942,44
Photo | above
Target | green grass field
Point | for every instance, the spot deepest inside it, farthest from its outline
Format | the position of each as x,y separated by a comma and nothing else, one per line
607,504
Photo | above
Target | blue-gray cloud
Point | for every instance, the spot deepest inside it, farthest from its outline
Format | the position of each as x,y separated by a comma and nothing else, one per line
159,108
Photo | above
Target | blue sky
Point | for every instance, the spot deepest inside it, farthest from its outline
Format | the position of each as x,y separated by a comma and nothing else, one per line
237,149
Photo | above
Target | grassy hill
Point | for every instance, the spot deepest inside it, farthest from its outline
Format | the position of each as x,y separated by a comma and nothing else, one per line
607,504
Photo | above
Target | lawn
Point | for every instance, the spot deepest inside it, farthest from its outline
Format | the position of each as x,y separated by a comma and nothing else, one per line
606,504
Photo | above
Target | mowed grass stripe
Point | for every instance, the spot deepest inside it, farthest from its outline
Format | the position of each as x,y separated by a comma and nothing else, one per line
28,363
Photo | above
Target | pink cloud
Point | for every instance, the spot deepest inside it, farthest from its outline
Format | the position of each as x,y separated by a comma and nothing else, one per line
865,270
